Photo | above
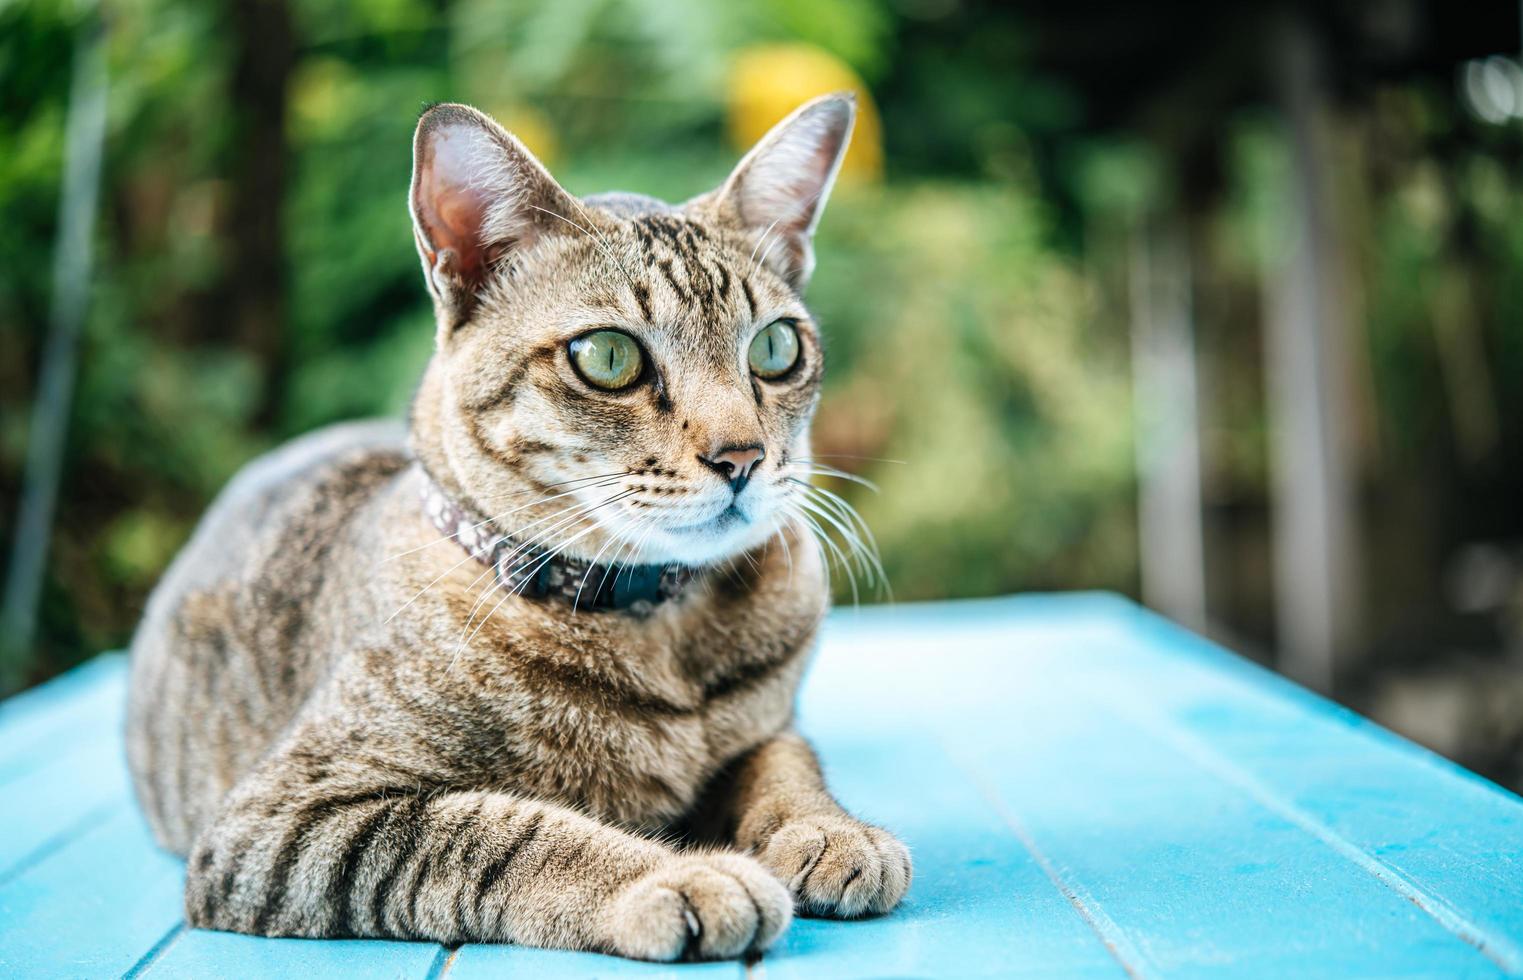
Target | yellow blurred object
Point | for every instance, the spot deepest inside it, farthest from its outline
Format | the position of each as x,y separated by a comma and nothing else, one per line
532,127
768,81
323,91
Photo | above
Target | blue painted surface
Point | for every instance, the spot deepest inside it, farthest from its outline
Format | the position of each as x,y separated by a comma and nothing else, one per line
1087,790
200,955
82,705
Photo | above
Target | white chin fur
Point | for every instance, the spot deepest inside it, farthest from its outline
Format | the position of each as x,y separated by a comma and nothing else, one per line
704,545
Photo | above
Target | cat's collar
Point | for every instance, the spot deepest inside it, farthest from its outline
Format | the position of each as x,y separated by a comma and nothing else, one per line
523,568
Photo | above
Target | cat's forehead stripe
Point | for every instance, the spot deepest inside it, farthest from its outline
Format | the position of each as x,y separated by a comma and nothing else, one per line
706,281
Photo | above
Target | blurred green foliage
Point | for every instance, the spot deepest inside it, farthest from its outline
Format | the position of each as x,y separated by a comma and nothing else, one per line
976,330
1011,464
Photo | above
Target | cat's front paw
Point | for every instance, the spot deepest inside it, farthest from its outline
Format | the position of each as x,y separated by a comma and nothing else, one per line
839,866
702,906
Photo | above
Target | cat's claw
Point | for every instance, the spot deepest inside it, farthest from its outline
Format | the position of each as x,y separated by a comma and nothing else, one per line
706,906
838,866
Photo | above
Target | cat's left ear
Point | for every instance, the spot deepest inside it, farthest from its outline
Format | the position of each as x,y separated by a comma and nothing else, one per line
478,197
778,191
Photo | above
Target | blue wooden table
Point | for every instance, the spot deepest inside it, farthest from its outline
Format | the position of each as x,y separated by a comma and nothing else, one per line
1087,791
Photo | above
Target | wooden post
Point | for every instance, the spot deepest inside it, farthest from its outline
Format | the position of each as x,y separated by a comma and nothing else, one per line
1168,436
1307,362
72,260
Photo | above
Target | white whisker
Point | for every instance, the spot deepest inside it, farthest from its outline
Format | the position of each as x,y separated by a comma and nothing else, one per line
485,593
782,536
572,514
518,589
613,538
614,563
608,481
419,594
867,554
854,530
791,213
544,535
639,543
751,259
830,471
840,556
869,459
460,647
853,542
592,238
847,511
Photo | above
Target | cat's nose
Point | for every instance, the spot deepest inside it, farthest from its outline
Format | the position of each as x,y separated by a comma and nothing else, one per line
735,463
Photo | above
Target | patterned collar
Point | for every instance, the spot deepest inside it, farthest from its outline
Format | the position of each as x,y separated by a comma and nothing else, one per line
529,570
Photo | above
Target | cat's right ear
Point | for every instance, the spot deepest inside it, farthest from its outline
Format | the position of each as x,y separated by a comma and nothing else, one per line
478,195
779,189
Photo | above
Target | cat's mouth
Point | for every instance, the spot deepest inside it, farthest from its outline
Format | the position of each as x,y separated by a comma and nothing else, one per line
727,519
733,529
732,516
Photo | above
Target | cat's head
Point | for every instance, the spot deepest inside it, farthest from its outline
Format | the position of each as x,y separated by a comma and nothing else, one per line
624,379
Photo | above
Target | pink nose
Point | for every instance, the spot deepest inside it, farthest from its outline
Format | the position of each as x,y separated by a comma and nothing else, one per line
735,463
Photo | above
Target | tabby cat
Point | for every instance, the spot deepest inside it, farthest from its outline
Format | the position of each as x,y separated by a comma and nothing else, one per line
565,722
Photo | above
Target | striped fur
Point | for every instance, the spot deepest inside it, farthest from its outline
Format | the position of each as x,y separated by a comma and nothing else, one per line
349,732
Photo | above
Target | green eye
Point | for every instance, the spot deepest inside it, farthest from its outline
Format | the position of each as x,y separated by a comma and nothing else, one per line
775,350
607,359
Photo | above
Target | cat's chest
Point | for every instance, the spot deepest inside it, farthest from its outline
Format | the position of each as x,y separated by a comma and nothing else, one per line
630,717
633,727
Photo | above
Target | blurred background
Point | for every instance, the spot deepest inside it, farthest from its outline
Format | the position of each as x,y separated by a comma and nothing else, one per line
1216,305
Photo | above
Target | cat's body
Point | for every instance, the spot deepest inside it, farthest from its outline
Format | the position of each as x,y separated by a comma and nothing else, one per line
351,729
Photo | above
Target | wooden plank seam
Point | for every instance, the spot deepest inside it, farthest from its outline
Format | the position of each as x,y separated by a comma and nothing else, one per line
1157,629
155,952
91,818
1088,908
1147,719
444,960
1498,949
